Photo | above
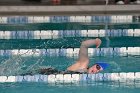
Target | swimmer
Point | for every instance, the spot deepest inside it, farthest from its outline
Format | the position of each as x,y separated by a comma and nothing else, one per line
81,65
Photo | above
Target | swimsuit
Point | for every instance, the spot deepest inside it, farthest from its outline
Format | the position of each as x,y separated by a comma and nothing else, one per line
49,71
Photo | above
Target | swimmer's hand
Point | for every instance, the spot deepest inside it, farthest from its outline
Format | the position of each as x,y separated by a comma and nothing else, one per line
98,42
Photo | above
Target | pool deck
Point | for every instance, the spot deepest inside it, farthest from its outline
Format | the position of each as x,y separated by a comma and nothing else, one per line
8,10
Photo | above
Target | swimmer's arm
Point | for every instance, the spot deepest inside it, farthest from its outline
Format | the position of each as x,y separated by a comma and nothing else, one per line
83,52
83,60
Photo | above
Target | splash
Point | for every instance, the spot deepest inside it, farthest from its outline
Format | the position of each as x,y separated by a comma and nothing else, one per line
114,66
11,66
17,65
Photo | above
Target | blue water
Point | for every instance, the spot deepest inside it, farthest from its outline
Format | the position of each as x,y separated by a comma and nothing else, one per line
70,88
24,64
18,64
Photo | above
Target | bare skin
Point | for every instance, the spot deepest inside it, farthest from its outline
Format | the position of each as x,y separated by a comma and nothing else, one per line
83,60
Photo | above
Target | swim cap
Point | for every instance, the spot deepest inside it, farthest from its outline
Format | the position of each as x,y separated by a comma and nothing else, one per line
103,65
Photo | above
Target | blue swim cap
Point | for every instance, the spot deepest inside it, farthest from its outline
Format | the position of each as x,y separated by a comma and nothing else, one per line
103,64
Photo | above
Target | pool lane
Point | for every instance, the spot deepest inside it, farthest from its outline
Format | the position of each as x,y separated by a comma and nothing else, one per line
67,42
67,26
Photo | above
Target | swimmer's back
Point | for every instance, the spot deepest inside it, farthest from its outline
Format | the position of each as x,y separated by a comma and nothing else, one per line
48,71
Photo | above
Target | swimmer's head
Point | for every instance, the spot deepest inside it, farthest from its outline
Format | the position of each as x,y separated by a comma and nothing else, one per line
97,67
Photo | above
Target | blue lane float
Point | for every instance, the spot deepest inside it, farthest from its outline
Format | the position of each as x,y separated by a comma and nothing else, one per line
53,34
70,52
68,78
58,19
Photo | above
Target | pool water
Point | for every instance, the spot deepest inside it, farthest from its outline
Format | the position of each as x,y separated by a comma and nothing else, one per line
29,43
69,88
